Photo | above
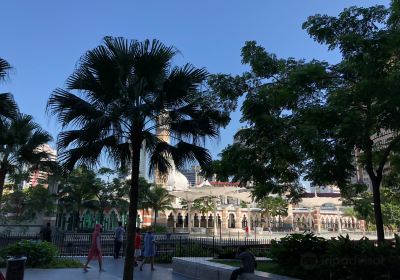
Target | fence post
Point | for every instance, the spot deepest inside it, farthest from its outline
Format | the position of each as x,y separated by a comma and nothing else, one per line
180,245
214,245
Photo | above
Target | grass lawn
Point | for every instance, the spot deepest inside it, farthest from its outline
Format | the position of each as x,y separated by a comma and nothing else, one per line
266,266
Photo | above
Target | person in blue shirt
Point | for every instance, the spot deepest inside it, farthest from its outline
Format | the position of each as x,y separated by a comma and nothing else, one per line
149,249
119,238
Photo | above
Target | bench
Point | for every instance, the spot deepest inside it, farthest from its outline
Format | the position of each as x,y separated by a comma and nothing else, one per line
203,268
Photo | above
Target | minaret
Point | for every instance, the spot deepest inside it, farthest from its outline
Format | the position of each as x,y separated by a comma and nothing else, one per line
162,132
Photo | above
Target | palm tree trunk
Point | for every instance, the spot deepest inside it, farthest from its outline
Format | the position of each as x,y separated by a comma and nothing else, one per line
2,181
132,213
155,220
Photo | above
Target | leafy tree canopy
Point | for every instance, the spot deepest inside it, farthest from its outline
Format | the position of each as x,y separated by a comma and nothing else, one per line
306,118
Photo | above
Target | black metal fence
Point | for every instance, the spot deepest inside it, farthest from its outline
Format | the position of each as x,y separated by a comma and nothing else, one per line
167,246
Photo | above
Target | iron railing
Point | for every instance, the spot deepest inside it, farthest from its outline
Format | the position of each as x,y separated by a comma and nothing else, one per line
167,246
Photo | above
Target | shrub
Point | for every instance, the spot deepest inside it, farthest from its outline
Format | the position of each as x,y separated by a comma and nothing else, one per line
294,248
37,253
312,258
361,259
226,253
192,250
158,229
63,263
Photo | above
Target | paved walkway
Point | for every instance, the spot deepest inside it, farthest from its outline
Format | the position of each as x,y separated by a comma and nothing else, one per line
114,271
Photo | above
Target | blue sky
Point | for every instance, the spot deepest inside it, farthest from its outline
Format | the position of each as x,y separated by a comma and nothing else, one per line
44,39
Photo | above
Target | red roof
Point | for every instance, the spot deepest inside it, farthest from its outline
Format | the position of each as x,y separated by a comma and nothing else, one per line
320,195
224,183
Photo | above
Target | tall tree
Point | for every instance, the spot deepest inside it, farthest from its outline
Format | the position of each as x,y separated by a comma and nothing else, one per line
124,92
307,119
24,205
365,99
20,139
78,191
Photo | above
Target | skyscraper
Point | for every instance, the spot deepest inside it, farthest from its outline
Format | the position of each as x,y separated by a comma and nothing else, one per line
193,175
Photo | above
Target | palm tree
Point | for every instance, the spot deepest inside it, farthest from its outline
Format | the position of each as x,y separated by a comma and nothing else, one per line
20,139
204,205
78,191
158,199
121,94
274,206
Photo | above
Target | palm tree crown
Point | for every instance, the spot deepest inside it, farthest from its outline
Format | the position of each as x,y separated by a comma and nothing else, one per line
158,199
114,101
20,139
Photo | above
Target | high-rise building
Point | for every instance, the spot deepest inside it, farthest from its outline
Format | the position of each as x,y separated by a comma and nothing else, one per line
193,175
39,176
380,141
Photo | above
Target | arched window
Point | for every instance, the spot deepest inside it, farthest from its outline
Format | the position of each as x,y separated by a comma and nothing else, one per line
171,220
210,221
113,220
180,220
244,221
203,221
231,221
196,221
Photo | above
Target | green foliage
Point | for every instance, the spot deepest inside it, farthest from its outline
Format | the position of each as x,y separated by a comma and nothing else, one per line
37,253
158,199
361,201
274,206
309,257
121,94
62,263
203,205
192,250
78,191
226,253
305,118
24,205
158,229
20,140
362,259
290,249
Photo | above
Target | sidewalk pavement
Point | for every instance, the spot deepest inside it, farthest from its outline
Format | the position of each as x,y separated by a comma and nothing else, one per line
114,271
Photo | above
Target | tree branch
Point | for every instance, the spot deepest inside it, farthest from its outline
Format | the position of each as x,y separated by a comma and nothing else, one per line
386,154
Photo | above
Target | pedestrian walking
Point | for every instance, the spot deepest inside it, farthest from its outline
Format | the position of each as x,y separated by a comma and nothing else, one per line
138,243
247,230
149,249
95,251
119,238
46,233
248,263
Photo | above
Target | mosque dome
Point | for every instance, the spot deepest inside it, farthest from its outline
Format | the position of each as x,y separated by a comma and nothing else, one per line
177,181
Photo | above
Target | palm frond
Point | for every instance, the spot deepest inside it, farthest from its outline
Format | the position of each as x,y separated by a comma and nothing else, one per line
71,109
4,68
8,107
